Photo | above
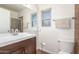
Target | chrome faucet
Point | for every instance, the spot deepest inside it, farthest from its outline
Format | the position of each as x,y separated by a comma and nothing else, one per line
13,31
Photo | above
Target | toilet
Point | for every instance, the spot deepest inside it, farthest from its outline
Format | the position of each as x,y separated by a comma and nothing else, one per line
65,47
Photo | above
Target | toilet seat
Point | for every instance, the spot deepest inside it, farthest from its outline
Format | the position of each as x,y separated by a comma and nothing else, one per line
62,52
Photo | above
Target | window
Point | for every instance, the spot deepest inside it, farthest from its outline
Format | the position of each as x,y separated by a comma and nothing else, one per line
46,17
34,19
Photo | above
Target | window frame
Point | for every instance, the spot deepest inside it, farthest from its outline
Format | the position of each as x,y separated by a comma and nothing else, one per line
32,21
46,20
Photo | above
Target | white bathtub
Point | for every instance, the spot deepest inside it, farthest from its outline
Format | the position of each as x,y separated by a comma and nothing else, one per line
9,38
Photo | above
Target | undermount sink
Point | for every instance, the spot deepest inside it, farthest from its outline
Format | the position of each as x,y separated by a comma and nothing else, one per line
14,34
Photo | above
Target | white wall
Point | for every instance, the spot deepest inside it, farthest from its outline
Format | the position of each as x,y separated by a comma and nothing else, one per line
50,35
4,20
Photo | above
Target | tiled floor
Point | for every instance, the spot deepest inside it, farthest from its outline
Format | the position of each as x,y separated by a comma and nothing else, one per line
41,52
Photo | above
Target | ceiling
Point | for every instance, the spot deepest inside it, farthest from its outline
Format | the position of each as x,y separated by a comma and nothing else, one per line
15,7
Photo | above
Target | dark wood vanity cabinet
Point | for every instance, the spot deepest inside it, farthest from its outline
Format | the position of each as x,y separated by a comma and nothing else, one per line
31,46
27,46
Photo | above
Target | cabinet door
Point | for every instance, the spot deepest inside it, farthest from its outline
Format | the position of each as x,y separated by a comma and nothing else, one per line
19,51
31,46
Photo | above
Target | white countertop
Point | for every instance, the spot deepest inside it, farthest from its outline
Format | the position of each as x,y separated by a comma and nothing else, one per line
8,38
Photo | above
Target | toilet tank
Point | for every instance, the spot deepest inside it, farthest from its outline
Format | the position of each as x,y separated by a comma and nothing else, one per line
66,46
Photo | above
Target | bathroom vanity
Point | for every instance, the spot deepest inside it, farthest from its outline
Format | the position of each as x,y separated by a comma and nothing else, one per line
22,43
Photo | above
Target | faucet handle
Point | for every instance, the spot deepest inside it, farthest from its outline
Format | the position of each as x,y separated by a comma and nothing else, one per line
12,30
16,30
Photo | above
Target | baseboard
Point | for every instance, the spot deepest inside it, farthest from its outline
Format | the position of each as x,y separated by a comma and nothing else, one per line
46,50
